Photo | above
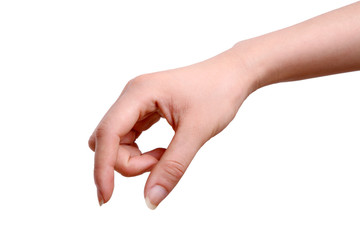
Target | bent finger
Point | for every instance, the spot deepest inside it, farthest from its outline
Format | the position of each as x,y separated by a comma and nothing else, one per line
117,122
130,162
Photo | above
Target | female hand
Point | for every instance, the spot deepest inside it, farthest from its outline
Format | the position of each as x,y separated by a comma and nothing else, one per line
198,101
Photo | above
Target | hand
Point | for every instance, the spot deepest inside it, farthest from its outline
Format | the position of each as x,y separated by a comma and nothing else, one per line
198,101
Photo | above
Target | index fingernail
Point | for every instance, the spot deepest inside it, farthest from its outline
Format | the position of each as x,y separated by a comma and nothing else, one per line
100,198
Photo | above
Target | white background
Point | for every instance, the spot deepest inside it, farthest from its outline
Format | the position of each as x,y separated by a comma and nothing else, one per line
287,167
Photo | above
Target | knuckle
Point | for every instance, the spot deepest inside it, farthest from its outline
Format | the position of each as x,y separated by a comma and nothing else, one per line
123,169
145,82
174,170
101,132
138,81
91,143
125,172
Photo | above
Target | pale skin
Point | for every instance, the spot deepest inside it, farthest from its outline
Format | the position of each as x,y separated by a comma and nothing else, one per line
200,100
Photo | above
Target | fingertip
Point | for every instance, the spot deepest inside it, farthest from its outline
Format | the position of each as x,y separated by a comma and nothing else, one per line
91,143
104,181
156,153
169,170
155,196
100,198
103,195
149,204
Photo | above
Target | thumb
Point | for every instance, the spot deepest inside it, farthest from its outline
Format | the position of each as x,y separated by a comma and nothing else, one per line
172,166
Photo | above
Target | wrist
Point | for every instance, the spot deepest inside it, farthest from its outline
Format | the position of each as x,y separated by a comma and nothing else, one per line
251,58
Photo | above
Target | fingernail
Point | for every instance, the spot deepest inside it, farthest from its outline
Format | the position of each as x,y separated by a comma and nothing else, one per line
155,196
100,198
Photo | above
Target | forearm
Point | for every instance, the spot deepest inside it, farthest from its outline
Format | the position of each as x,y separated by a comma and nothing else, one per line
327,44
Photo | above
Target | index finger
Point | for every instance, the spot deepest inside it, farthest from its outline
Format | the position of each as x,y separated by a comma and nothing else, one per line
117,122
